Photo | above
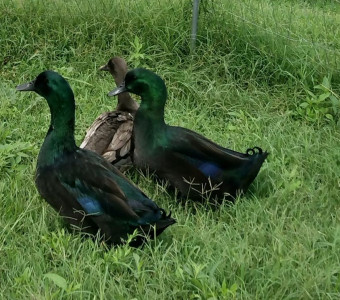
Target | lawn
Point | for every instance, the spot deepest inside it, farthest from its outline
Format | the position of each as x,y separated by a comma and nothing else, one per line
264,73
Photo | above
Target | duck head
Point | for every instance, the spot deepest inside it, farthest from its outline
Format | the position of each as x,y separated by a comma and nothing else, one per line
144,83
117,67
59,96
53,87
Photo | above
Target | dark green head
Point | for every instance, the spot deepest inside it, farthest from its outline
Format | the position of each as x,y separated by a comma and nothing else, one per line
144,83
58,93
53,87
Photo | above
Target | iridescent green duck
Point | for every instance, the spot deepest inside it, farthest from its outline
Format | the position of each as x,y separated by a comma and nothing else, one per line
194,165
110,134
82,186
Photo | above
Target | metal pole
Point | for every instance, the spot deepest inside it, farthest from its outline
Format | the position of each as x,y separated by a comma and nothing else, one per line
194,24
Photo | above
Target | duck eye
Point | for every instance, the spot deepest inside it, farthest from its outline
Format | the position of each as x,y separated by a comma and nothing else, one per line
130,77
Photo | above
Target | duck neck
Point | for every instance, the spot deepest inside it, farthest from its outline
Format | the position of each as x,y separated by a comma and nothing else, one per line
118,76
126,103
149,125
60,136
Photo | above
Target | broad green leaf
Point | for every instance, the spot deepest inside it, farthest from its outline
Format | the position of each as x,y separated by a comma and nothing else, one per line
335,101
57,280
234,288
326,83
310,93
324,96
329,117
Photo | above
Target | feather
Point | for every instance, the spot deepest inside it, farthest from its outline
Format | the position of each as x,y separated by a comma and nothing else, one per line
90,205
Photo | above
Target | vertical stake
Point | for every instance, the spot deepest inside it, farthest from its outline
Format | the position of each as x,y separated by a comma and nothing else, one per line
194,24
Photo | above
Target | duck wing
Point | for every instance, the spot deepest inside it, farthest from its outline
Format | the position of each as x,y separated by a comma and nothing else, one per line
100,133
236,170
110,135
120,145
106,197
196,146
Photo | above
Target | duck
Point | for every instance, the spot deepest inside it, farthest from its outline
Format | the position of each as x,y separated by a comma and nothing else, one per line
85,189
195,166
110,134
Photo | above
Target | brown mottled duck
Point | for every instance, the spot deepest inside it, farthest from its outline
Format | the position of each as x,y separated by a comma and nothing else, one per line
110,134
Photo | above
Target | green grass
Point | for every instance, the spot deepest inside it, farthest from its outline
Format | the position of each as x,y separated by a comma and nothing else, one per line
254,63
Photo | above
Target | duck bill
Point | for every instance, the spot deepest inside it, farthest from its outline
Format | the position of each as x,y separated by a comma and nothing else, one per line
25,87
104,68
117,90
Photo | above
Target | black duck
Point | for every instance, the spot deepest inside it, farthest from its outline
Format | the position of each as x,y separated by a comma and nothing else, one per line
82,186
194,165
